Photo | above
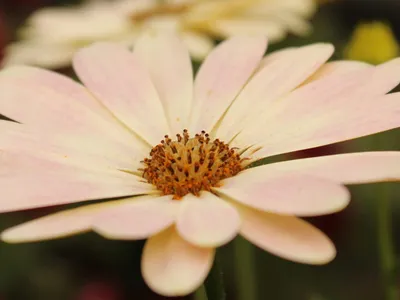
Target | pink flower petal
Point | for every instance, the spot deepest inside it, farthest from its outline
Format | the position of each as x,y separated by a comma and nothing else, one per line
168,62
57,225
122,83
207,221
137,218
293,194
327,111
221,77
286,236
75,149
280,75
64,114
339,67
173,267
28,182
350,168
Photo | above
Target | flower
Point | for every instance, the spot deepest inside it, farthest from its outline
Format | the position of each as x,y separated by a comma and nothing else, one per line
197,22
373,42
196,190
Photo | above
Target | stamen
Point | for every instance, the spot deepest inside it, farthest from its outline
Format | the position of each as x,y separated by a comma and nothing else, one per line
190,165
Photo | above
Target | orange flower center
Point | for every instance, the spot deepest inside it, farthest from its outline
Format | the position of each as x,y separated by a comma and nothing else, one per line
190,165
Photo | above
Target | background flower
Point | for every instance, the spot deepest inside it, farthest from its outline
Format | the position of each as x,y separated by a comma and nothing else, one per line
197,21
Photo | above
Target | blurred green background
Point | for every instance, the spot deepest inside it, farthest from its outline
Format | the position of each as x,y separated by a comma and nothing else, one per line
88,267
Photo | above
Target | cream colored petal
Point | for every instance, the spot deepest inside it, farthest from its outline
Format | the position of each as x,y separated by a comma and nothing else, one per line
64,114
291,194
207,221
199,45
221,77
28,181
136,218
52,56
236,26
294,23
76,25
288,237
173,267
329,110
57,225
335,68
120,80
280,75
170,68
350,168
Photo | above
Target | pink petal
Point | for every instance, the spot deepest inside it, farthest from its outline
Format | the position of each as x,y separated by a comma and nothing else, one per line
173,267
76,149
29,182
221,77
168,62
350,168
207,221
327,111
280,75
286,236
57,225
122,83
339,67
293,194
137,218
63,113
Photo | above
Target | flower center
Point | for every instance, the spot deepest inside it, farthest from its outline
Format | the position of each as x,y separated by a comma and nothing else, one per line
160,10
190,165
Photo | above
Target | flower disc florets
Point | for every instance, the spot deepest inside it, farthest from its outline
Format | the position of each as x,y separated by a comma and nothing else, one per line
189,165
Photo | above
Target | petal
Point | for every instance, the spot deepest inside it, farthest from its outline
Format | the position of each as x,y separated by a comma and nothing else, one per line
280,75
122,83
57,225
233,27
350,168
77,149
335,68
286,236
38,53
63,113
173,267
30,182
136,218
221,77
170,68
292,194
207,221
199,45
309,116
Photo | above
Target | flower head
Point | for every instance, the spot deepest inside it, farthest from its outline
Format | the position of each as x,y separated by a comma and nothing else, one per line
197,22
181,150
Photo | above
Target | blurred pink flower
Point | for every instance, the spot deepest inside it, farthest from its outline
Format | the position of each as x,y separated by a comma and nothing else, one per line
192,194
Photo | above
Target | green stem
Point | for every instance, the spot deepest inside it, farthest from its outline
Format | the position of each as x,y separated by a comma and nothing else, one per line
386,249
201,293
214,283
245,270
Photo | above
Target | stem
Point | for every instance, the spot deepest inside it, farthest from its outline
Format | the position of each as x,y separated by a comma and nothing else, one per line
201,293
214,283
386,249
245,270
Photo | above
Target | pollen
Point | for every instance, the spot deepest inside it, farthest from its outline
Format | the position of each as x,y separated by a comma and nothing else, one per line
190,164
